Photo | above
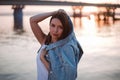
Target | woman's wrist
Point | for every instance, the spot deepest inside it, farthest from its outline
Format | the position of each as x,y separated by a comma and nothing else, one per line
42,57
54,12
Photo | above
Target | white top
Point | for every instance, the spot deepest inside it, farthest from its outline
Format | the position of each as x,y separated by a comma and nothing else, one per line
42,73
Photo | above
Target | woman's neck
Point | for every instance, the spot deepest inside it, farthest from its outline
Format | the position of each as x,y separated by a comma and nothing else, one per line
53,40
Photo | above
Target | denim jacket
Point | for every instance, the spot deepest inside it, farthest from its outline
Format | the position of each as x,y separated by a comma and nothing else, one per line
64,56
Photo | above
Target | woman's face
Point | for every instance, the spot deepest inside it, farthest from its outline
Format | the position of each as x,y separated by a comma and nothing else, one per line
56,29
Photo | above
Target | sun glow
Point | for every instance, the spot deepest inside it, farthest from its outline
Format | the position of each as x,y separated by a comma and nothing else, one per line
90,9
95,1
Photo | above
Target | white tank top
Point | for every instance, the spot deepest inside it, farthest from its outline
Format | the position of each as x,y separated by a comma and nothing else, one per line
42,73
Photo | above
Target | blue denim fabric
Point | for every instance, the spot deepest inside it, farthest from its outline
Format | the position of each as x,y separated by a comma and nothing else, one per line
64,56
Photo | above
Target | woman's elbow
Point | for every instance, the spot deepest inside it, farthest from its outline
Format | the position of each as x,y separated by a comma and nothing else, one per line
32,19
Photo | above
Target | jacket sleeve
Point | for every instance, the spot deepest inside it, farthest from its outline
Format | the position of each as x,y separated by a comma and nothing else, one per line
72,54
68,55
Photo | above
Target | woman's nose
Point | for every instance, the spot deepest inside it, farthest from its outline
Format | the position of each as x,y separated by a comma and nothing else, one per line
56,29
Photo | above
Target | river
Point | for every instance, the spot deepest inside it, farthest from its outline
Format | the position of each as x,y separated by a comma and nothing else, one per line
18,51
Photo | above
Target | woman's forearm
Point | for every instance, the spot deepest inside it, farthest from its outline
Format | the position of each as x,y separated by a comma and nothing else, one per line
39,34
44,61
42,16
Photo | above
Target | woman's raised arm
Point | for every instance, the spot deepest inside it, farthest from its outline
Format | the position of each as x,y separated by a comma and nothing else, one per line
34,20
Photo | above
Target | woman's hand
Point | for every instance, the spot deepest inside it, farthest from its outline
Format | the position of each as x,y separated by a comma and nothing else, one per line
44,61
61,11
43,53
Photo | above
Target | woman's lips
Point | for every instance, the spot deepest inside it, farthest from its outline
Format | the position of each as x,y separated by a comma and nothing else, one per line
55,34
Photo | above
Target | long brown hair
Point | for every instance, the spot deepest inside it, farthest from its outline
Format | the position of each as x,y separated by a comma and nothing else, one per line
63,17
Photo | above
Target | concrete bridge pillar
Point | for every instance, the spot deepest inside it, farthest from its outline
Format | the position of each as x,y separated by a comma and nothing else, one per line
18,16
77,12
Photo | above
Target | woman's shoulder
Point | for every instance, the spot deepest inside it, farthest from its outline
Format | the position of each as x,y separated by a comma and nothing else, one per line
70,43
67,45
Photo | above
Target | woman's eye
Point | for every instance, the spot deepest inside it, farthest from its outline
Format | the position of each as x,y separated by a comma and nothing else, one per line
52,25
60,27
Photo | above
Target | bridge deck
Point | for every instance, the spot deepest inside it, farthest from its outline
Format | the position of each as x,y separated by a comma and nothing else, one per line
60,3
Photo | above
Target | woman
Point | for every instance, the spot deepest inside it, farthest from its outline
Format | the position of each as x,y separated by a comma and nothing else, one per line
60,52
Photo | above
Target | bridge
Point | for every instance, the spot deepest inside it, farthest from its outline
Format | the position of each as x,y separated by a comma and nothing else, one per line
60,3
18,5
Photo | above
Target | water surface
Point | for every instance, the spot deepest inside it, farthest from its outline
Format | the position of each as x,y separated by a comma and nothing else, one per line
100,43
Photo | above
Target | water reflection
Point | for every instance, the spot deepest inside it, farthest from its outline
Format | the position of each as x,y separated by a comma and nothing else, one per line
100,42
